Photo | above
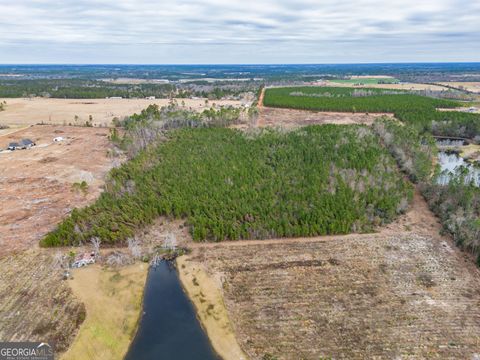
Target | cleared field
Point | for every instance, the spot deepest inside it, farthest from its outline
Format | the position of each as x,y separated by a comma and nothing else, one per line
349,297
36,184
35,304
20,111
468,85
290,118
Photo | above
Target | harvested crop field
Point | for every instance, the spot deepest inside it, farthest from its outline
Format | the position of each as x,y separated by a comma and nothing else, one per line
35,304
349,297
21,111
37,185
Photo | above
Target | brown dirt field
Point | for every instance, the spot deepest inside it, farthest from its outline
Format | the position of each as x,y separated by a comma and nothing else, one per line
21,111
355,297
36,184
35,304
289,118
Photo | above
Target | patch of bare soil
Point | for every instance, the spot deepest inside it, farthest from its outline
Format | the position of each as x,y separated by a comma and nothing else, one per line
36,185
289,118
35,303
352,297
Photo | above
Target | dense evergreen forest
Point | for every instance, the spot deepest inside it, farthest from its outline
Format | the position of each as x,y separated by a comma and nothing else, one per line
228,184
417,110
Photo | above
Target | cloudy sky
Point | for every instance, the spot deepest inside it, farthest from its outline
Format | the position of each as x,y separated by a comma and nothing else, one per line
238,31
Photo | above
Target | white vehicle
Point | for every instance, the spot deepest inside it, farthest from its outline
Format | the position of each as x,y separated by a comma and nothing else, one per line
84,260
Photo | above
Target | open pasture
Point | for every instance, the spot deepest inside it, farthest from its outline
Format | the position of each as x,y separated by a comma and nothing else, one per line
100,112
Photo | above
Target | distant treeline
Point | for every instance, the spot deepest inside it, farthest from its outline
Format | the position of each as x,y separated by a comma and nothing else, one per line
420,111
94,89
231,185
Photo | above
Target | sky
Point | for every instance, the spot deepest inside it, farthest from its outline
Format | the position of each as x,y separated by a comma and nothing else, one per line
238,31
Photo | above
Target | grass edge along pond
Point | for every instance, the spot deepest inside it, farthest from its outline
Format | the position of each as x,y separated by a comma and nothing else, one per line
113,301
228,185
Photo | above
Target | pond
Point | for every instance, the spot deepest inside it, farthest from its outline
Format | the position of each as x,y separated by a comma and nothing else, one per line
449,162
169,328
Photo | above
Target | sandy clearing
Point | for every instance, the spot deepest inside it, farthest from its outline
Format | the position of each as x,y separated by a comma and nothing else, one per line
113,302
21,111
206,295
291,118
36,184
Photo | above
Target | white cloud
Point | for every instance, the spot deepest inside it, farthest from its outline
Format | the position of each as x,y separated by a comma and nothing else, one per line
239,31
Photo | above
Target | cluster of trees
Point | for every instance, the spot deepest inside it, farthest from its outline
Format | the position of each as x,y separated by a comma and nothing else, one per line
152,123
231,185
414,152
420,111
457,204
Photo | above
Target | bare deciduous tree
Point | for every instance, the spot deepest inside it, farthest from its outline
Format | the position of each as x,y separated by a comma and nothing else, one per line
170,241
96,245
134,247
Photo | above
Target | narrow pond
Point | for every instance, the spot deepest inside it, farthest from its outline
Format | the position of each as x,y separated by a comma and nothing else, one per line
169,328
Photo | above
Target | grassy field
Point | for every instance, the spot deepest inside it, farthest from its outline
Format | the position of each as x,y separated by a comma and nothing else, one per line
99,112
113,301
228,185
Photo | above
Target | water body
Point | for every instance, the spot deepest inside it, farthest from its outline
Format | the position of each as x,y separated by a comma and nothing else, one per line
450,163
169,328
